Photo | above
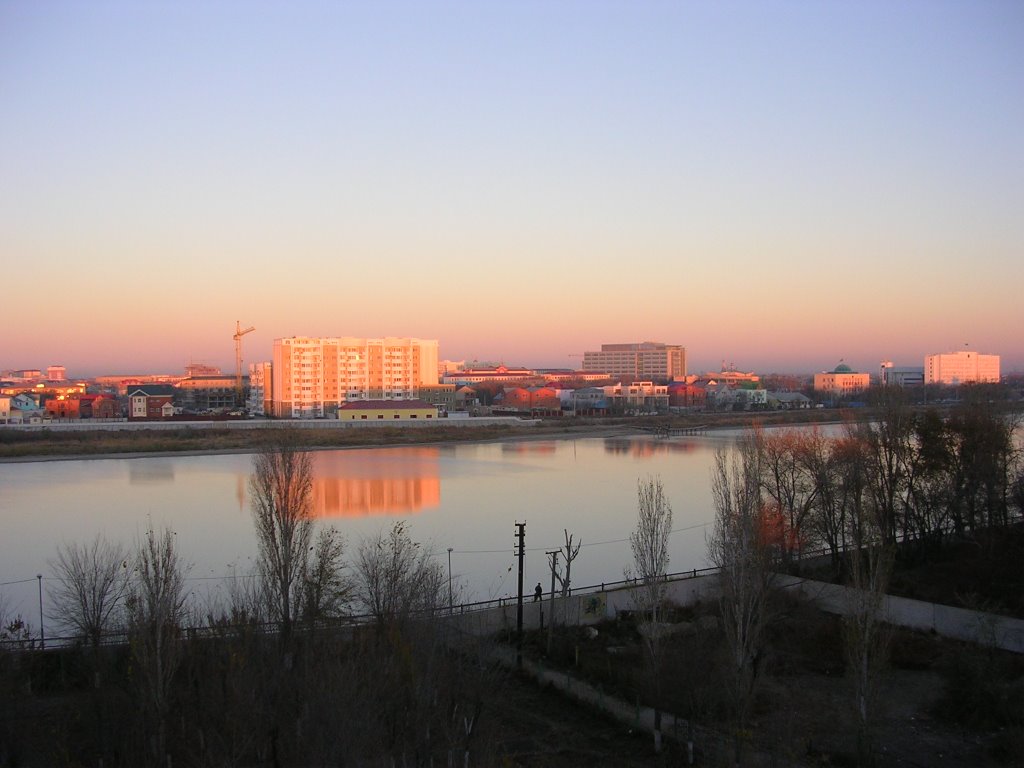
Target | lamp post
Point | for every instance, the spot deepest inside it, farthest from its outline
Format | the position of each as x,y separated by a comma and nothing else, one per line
42,634
449,579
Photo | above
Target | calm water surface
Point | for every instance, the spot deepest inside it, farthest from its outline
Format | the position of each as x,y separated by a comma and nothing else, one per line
467,497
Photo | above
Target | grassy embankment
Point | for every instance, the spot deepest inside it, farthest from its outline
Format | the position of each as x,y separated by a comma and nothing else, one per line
48,443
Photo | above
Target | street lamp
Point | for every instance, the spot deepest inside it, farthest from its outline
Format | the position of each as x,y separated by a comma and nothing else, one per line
449,579
42,634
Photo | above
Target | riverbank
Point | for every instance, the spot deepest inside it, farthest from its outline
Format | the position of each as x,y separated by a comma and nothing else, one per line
133,440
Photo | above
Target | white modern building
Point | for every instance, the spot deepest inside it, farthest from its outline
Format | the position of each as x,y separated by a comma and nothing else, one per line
311,377
963,367
890,375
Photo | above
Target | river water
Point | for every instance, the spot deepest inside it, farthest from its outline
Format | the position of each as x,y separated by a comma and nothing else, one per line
464,496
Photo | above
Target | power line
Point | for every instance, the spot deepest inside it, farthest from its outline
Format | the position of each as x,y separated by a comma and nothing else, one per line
21,581
544,549
227,576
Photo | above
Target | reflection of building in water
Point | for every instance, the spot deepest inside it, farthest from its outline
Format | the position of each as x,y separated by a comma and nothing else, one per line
643,448
148,472
356,496
380,481
528,447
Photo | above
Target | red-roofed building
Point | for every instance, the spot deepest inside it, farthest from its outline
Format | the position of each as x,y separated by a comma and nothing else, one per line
83,407
542,401
151,401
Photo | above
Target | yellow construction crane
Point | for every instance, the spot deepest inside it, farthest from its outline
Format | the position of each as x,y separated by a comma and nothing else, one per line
239,333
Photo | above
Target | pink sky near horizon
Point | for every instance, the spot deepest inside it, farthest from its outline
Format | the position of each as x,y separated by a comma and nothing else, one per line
522,183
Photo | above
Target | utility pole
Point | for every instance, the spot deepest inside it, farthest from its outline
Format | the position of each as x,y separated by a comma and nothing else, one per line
42,633
449,579
553,558
521,536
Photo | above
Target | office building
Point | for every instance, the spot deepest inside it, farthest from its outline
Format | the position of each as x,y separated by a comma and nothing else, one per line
964,367
890,375
841,381
644,361
311,377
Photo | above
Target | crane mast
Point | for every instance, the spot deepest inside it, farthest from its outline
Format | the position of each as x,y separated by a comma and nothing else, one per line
239,333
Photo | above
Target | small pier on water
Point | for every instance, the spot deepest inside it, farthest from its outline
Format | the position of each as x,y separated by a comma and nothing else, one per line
667,431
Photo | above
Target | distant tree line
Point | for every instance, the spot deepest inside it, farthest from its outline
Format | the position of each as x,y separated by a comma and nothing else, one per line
899,485
922,474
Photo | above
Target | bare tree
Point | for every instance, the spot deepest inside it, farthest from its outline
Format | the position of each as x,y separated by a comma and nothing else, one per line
788,485
569,552
325,589
396,578
156,606
866,636
92,580
281,489
649,543
740,549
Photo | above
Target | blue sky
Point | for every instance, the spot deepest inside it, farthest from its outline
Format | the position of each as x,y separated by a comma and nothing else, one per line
778,185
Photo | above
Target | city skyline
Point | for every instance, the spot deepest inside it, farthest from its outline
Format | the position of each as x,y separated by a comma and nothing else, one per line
777,186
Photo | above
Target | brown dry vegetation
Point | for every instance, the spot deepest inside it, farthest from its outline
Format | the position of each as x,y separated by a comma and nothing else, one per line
47,443
44,443
941,702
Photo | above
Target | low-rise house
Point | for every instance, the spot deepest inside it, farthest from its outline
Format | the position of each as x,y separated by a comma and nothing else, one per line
589,401
5,409
442,396
466,398
61,407
99,407
25,409
687,395
151,401
788,401
643,396
723,397
533,400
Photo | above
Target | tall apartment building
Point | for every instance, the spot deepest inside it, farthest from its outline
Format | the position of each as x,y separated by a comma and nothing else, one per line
647,361
260,388
311,377
961,367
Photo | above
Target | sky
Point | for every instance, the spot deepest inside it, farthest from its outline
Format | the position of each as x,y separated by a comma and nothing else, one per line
776,185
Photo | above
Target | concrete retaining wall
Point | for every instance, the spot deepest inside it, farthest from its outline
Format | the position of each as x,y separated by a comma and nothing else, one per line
88,426
987,629
948,621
